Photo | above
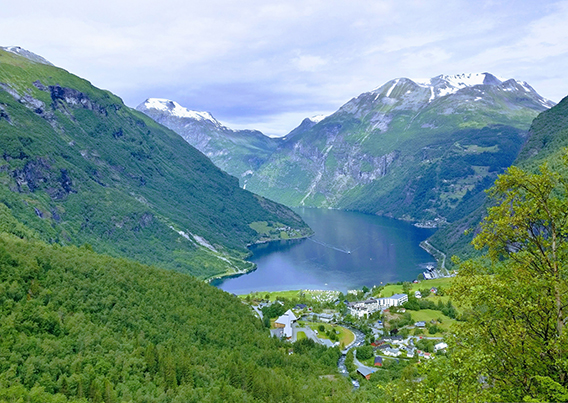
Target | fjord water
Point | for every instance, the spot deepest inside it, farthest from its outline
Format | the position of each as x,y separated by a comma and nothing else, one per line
349,250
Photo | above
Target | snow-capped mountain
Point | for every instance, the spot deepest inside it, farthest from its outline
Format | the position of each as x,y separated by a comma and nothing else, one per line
238,152
412,149
26,53
174,109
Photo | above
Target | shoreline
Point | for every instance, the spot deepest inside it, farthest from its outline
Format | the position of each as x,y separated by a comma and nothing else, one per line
229,275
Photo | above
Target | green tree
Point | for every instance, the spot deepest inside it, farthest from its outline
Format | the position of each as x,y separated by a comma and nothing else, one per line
516,298
364,352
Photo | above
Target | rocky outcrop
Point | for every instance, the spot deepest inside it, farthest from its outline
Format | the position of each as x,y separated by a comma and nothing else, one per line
39,174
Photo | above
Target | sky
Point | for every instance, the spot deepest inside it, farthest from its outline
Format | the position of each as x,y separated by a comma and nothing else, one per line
267,65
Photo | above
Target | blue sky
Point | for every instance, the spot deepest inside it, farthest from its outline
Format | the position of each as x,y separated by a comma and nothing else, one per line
268,64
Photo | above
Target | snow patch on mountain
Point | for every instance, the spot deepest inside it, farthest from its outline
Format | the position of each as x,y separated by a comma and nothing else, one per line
26,53
317,118
392,88
175,109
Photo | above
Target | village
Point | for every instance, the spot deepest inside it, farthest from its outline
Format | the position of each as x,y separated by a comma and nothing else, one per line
373,328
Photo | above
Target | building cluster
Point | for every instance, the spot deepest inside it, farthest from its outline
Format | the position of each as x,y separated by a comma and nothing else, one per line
394,346
371,305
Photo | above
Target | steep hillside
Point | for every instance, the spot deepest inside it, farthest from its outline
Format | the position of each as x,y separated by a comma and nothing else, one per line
78,327
546,143
548,136
418,150
238,152
79,166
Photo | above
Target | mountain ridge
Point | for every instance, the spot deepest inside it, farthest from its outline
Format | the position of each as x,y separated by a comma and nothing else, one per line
238,152
382,141
78,166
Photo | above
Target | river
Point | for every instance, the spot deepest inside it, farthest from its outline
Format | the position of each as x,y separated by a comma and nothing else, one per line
349,250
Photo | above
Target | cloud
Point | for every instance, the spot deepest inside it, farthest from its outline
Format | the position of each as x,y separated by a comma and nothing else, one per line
276,61
309,62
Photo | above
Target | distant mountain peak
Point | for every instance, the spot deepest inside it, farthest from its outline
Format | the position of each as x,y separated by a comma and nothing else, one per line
443,85
26,53
318,118
175,109
460,81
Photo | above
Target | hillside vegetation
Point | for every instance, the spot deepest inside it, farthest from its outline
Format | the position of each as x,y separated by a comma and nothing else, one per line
414,151
78,166
546,143
79,326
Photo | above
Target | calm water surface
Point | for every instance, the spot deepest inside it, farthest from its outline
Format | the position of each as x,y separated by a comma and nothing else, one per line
349,250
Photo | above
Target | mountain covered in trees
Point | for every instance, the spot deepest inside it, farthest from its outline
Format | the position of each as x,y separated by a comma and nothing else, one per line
77,326
78,166
546,142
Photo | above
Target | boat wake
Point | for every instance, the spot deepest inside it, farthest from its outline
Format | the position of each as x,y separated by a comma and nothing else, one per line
347,251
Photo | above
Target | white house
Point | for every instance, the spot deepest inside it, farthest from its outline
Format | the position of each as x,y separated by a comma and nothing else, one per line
398,299
393,352
286,321
367,307
440,347
362,308
417,294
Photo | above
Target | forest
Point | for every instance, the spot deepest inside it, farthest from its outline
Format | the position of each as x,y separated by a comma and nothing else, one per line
80,326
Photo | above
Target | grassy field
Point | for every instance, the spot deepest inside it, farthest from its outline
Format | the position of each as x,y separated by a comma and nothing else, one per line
273,295
427,315
300,336
316,295
391,289
345,335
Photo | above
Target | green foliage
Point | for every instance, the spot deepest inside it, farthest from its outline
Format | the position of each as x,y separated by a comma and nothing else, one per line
349,361
78,166
79,326
273,311
546,141
364,352
512,345
524,289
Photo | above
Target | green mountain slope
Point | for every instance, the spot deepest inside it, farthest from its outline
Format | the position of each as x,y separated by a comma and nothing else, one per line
546,143
79,166
77,326
238,152
419,151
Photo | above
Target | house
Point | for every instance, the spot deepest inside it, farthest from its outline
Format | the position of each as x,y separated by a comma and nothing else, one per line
433,290
325,317
367,307
285,322
440,347
365,372
396,299
378,361
417,294
420,324
362,308
393,352
424,354
300,306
